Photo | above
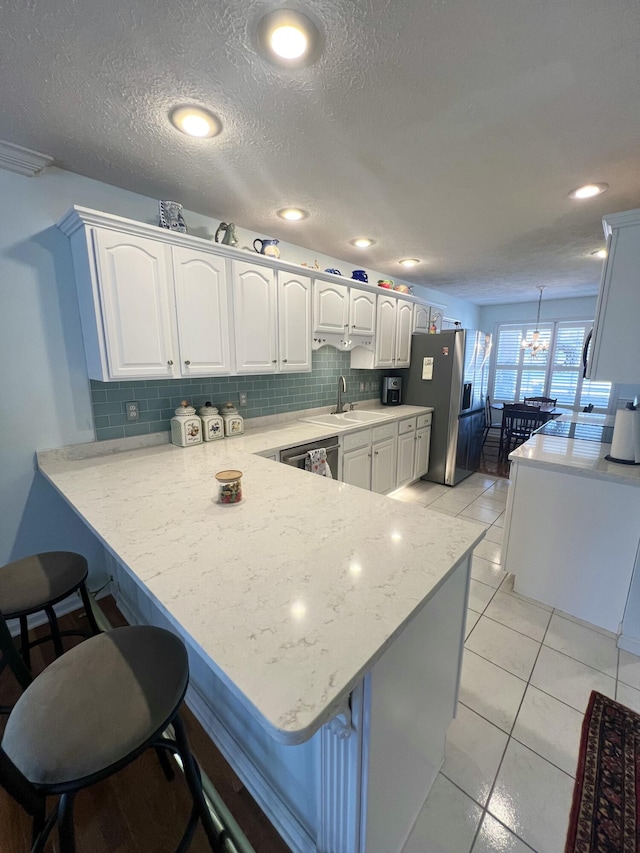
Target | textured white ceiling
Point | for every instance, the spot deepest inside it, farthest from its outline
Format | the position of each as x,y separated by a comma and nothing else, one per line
448,130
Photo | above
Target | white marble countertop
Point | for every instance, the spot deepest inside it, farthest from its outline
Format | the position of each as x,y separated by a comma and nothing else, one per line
576,456
292,594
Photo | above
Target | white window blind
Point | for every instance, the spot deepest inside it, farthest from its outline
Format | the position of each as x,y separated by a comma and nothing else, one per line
555,372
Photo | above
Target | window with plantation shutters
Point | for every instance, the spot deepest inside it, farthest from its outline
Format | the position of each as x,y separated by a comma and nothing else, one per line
556,372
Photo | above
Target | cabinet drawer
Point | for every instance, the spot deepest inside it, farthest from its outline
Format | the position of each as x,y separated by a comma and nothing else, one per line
356,439
424,420
407,425
385,431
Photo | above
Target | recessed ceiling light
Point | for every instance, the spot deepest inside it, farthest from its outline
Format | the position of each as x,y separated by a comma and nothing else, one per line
588,191
363,242
292,214
409,262
289,38
599,253
195,121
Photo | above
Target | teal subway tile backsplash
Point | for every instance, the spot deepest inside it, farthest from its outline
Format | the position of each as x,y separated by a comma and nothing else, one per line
266,395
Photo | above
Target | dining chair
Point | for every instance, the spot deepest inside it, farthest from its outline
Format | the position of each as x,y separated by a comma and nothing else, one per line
519,420
89,714
541,401
489,424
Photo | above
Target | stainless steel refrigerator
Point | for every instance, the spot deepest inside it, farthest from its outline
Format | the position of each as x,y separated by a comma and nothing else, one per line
449,371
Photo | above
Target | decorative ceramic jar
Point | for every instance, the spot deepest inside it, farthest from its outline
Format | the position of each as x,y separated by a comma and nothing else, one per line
212,423
229,486
233,422
186,426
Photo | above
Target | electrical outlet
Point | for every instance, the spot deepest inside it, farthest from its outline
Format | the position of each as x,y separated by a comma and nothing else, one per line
133,411
243,399
362,386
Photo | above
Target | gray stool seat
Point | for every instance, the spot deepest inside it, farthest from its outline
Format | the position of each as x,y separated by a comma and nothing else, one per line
91,712
96,705
35,584
27,585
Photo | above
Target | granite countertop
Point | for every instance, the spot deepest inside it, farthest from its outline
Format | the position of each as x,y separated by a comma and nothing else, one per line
576,456
292,594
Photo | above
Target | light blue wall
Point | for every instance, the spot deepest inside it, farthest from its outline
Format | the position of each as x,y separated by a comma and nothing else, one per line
551,310
46,399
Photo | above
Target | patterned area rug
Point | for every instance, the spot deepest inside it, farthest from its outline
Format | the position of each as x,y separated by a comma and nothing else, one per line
604,813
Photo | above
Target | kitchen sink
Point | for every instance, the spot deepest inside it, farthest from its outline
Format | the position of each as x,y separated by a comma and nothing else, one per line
347,419
364,417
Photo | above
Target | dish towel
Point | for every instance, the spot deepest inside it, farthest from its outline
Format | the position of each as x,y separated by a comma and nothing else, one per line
316,462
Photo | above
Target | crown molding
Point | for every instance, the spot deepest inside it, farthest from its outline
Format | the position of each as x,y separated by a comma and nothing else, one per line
21,160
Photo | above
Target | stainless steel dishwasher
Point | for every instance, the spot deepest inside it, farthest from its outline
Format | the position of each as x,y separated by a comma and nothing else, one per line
296,455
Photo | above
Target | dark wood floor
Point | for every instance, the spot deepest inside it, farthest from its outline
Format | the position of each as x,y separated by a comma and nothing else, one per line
489,462
137,810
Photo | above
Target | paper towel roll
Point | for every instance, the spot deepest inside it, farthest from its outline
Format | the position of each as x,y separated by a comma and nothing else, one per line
625,445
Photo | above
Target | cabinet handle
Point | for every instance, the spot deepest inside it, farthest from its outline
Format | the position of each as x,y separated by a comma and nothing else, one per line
284,360
376,452
369,455
170,363
187,362
275,361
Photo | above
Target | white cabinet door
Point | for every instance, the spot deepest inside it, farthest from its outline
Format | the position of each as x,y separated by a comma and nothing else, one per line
202,312
134,279
254,299
330,307
294,323
362,312
421,318
406,456
356,467
422,443
383,466
385,347
615,347
404,322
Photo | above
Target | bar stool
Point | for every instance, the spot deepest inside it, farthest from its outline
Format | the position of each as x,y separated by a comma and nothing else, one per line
89,714
38,582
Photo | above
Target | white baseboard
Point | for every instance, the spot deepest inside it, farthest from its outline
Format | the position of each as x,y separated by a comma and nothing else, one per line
629,644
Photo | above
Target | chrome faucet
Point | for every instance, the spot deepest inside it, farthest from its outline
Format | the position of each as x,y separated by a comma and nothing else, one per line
342,389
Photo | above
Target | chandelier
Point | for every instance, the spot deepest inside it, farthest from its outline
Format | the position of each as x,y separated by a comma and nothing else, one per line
535,345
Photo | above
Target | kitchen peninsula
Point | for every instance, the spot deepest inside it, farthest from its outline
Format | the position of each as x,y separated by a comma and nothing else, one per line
572,525
324,622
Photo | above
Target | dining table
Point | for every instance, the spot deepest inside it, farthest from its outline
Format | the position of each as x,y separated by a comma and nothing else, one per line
542,413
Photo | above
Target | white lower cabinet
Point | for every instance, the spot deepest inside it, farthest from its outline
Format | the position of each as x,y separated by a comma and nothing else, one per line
369,458
414,439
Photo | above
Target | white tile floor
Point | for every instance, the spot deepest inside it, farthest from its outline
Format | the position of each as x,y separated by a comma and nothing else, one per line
507,780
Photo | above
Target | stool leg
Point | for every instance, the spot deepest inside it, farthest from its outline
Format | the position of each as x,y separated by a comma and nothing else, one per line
66,832
88,609
167,769
55,630
195,784
10,654
24,642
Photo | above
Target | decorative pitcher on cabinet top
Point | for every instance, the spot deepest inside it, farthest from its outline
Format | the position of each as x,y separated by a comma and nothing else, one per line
267,247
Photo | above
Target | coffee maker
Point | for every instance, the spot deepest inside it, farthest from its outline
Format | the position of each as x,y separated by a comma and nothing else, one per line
391,391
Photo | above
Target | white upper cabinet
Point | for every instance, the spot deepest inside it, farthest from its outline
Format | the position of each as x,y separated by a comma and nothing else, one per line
421,318
255,320
362,312
404,328
615,347
133,285
202,312
385,349
294,323
330,307
342,310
